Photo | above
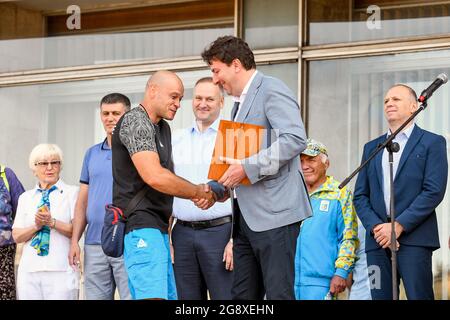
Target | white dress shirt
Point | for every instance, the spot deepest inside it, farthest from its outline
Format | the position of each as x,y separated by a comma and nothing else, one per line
192,153
241,98
401,139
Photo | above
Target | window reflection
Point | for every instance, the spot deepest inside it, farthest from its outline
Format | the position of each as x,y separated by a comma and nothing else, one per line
347,21
345,108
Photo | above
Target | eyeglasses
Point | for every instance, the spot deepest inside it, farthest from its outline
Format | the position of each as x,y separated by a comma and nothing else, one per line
44,164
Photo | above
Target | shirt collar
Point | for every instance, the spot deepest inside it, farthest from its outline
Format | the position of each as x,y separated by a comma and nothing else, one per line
105,145
327,186
247,86
214,126
407,132
59,186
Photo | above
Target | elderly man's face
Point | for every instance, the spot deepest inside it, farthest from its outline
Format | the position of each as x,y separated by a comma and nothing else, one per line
47,170
314,169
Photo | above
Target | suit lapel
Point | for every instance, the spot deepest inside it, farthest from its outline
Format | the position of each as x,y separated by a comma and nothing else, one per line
378,165
416,134
251,94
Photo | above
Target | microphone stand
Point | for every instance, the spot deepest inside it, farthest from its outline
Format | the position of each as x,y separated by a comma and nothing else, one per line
391,148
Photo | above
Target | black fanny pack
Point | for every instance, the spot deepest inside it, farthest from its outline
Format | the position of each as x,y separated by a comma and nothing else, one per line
113,231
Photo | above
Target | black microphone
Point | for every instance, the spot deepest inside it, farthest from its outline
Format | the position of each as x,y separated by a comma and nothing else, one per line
428,92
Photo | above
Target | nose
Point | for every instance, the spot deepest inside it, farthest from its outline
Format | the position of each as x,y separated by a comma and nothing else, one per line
304,166
215,79
49,166
202,103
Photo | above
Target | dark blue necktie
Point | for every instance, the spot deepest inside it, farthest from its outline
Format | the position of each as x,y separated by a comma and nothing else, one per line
235,110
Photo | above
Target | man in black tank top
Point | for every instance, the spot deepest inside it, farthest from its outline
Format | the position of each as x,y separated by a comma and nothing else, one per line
142,158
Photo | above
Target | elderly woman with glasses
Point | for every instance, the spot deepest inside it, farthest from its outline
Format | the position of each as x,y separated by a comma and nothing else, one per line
44,222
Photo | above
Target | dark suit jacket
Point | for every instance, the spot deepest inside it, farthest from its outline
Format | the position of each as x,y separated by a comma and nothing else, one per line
419,186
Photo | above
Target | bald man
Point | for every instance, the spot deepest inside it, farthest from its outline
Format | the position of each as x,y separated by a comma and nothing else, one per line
420,178
142,160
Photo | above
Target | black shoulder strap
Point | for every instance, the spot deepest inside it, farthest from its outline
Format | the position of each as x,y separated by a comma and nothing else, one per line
135,201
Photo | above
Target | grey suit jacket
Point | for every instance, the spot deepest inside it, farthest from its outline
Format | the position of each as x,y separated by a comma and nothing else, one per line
277,195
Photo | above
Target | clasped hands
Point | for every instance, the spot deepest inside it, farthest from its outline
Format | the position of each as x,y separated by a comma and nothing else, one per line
205,197
234,175
43,217
382,234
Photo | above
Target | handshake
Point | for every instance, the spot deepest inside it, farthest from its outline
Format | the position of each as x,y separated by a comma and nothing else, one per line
207,194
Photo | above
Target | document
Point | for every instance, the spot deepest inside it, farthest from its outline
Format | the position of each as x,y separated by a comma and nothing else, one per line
235,140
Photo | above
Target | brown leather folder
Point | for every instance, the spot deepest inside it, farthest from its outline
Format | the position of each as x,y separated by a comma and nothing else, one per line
234,140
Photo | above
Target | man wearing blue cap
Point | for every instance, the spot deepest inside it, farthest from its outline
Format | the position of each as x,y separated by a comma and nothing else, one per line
326,246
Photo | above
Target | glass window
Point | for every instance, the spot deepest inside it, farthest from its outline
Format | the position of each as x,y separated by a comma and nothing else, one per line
270,24
345,110
287,72
40,34
68,114
69,51
346,21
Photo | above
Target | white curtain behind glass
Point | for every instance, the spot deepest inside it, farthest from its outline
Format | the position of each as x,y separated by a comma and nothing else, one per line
346,111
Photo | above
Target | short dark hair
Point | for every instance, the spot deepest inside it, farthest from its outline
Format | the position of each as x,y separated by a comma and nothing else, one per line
209,80
411,91
116,98
228,48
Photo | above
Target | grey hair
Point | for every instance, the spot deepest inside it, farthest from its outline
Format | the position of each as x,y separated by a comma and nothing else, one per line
42,151
323,157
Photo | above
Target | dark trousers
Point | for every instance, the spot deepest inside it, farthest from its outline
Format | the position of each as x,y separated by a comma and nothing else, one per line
413,267
263,261
7,279
199,262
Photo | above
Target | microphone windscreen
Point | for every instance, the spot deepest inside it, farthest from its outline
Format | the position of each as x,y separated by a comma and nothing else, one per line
443,77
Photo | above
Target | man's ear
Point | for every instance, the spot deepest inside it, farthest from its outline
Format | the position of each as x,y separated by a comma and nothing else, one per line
327,164
152,90
413,106
237,65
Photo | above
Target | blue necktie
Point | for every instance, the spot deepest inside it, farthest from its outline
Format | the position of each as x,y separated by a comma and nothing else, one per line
235,110
41,240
